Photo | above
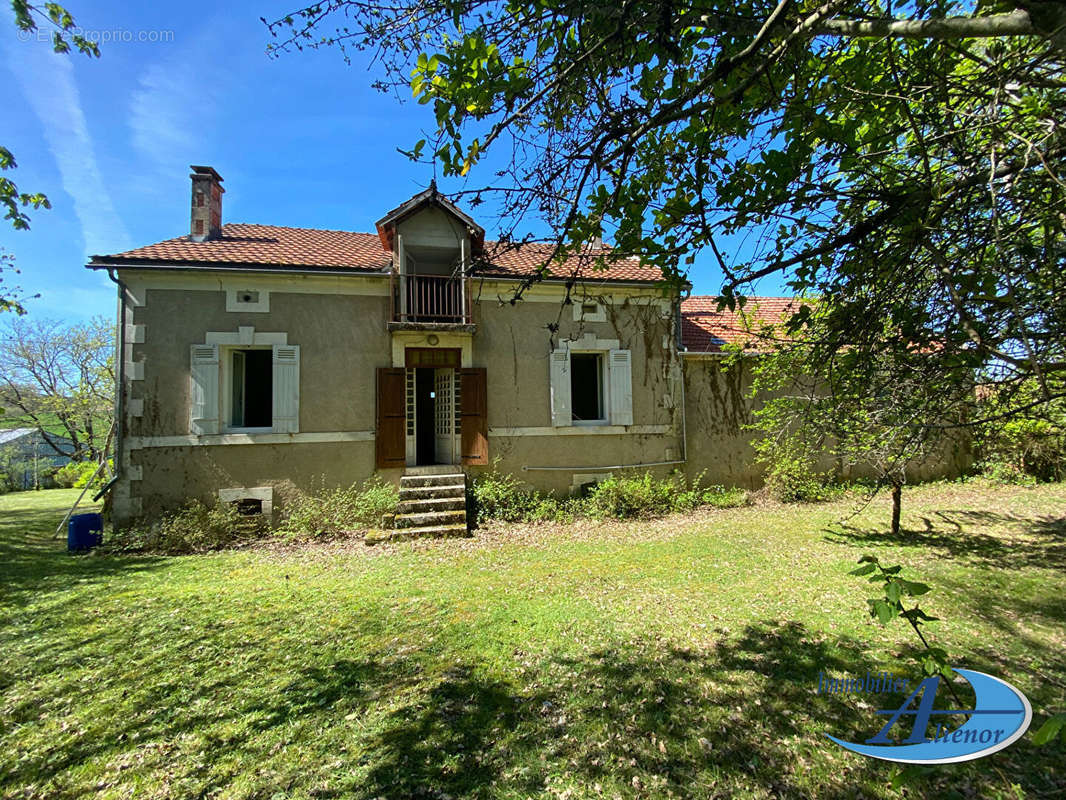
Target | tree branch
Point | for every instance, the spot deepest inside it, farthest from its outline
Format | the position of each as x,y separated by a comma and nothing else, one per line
1016,23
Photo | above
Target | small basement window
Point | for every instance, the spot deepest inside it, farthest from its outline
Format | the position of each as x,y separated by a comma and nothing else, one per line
586,387
252,387
249,506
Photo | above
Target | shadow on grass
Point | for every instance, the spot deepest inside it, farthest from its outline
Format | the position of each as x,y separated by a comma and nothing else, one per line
31,561
1022,541
640,718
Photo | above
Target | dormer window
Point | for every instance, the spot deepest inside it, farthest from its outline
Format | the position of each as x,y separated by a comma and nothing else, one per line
431,242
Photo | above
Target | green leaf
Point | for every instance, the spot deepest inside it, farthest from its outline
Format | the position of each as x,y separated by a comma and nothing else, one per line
893,591
1050,729
863,570
883,611
908,775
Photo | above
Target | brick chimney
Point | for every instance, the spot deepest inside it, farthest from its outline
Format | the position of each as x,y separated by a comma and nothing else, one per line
206,204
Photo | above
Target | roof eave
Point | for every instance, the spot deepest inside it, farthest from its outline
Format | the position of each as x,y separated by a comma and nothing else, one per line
214,266
562,280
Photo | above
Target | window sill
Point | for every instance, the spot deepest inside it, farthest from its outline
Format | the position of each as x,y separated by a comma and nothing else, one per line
590,423
248,430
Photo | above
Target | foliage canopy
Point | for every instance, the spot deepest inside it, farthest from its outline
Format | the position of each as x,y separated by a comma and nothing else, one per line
902,162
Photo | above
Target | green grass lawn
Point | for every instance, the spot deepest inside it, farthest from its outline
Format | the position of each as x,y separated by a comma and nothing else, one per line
676,658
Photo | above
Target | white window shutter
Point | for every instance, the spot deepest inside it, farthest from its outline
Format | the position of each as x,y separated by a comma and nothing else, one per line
560,388
203,394
286,388
621,380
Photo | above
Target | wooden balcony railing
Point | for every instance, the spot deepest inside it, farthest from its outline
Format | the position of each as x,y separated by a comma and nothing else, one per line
430,298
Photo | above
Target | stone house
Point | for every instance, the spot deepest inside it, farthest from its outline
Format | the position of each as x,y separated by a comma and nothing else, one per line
257,361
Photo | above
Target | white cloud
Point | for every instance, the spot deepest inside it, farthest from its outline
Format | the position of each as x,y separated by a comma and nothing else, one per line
173,105
47,80
160,114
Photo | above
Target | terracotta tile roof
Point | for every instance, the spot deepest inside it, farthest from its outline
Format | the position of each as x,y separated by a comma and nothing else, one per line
265,245
275,246
521,260
704,329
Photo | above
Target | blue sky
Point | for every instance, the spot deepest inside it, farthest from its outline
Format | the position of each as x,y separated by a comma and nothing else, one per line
302,140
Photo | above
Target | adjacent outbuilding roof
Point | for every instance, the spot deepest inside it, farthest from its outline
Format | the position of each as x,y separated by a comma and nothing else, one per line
705,329
264,247
14,434
24,437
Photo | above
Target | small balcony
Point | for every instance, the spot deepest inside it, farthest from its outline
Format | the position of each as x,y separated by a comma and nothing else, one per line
430,302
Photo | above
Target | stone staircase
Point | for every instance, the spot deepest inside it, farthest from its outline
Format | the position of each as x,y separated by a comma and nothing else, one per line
431,505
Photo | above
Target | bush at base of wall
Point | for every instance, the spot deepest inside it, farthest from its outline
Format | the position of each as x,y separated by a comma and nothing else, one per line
504,497
194,528
793,481
339,511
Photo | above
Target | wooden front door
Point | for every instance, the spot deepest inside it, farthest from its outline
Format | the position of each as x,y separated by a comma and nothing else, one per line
391,417
474,417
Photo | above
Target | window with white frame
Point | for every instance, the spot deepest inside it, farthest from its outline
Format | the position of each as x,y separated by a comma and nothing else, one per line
587,406
251,388
591,384
244,383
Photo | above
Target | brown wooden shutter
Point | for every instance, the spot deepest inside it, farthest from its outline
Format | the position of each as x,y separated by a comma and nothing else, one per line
392,418
475,417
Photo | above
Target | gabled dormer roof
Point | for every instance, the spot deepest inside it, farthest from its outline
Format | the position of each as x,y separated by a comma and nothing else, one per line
428,199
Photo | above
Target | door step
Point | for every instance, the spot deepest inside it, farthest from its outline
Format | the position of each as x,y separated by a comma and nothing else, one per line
431,505
451,480
429,469
423,505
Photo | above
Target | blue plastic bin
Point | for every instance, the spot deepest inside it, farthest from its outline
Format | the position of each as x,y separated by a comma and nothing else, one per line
84,531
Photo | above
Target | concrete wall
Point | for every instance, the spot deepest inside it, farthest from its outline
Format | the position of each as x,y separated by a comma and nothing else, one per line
342,339
514,342
340,324
716,410
718,406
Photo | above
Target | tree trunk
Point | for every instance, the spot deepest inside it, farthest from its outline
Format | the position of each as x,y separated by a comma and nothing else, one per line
897,501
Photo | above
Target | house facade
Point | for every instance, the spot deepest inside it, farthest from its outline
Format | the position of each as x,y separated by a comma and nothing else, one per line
258,361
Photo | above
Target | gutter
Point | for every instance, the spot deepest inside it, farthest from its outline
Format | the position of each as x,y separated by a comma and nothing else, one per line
681,350
120,382
162,266
267,269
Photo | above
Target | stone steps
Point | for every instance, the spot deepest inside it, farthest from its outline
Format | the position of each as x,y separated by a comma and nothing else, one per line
430,518
424,505
430,532
449,481
430,492
431,505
